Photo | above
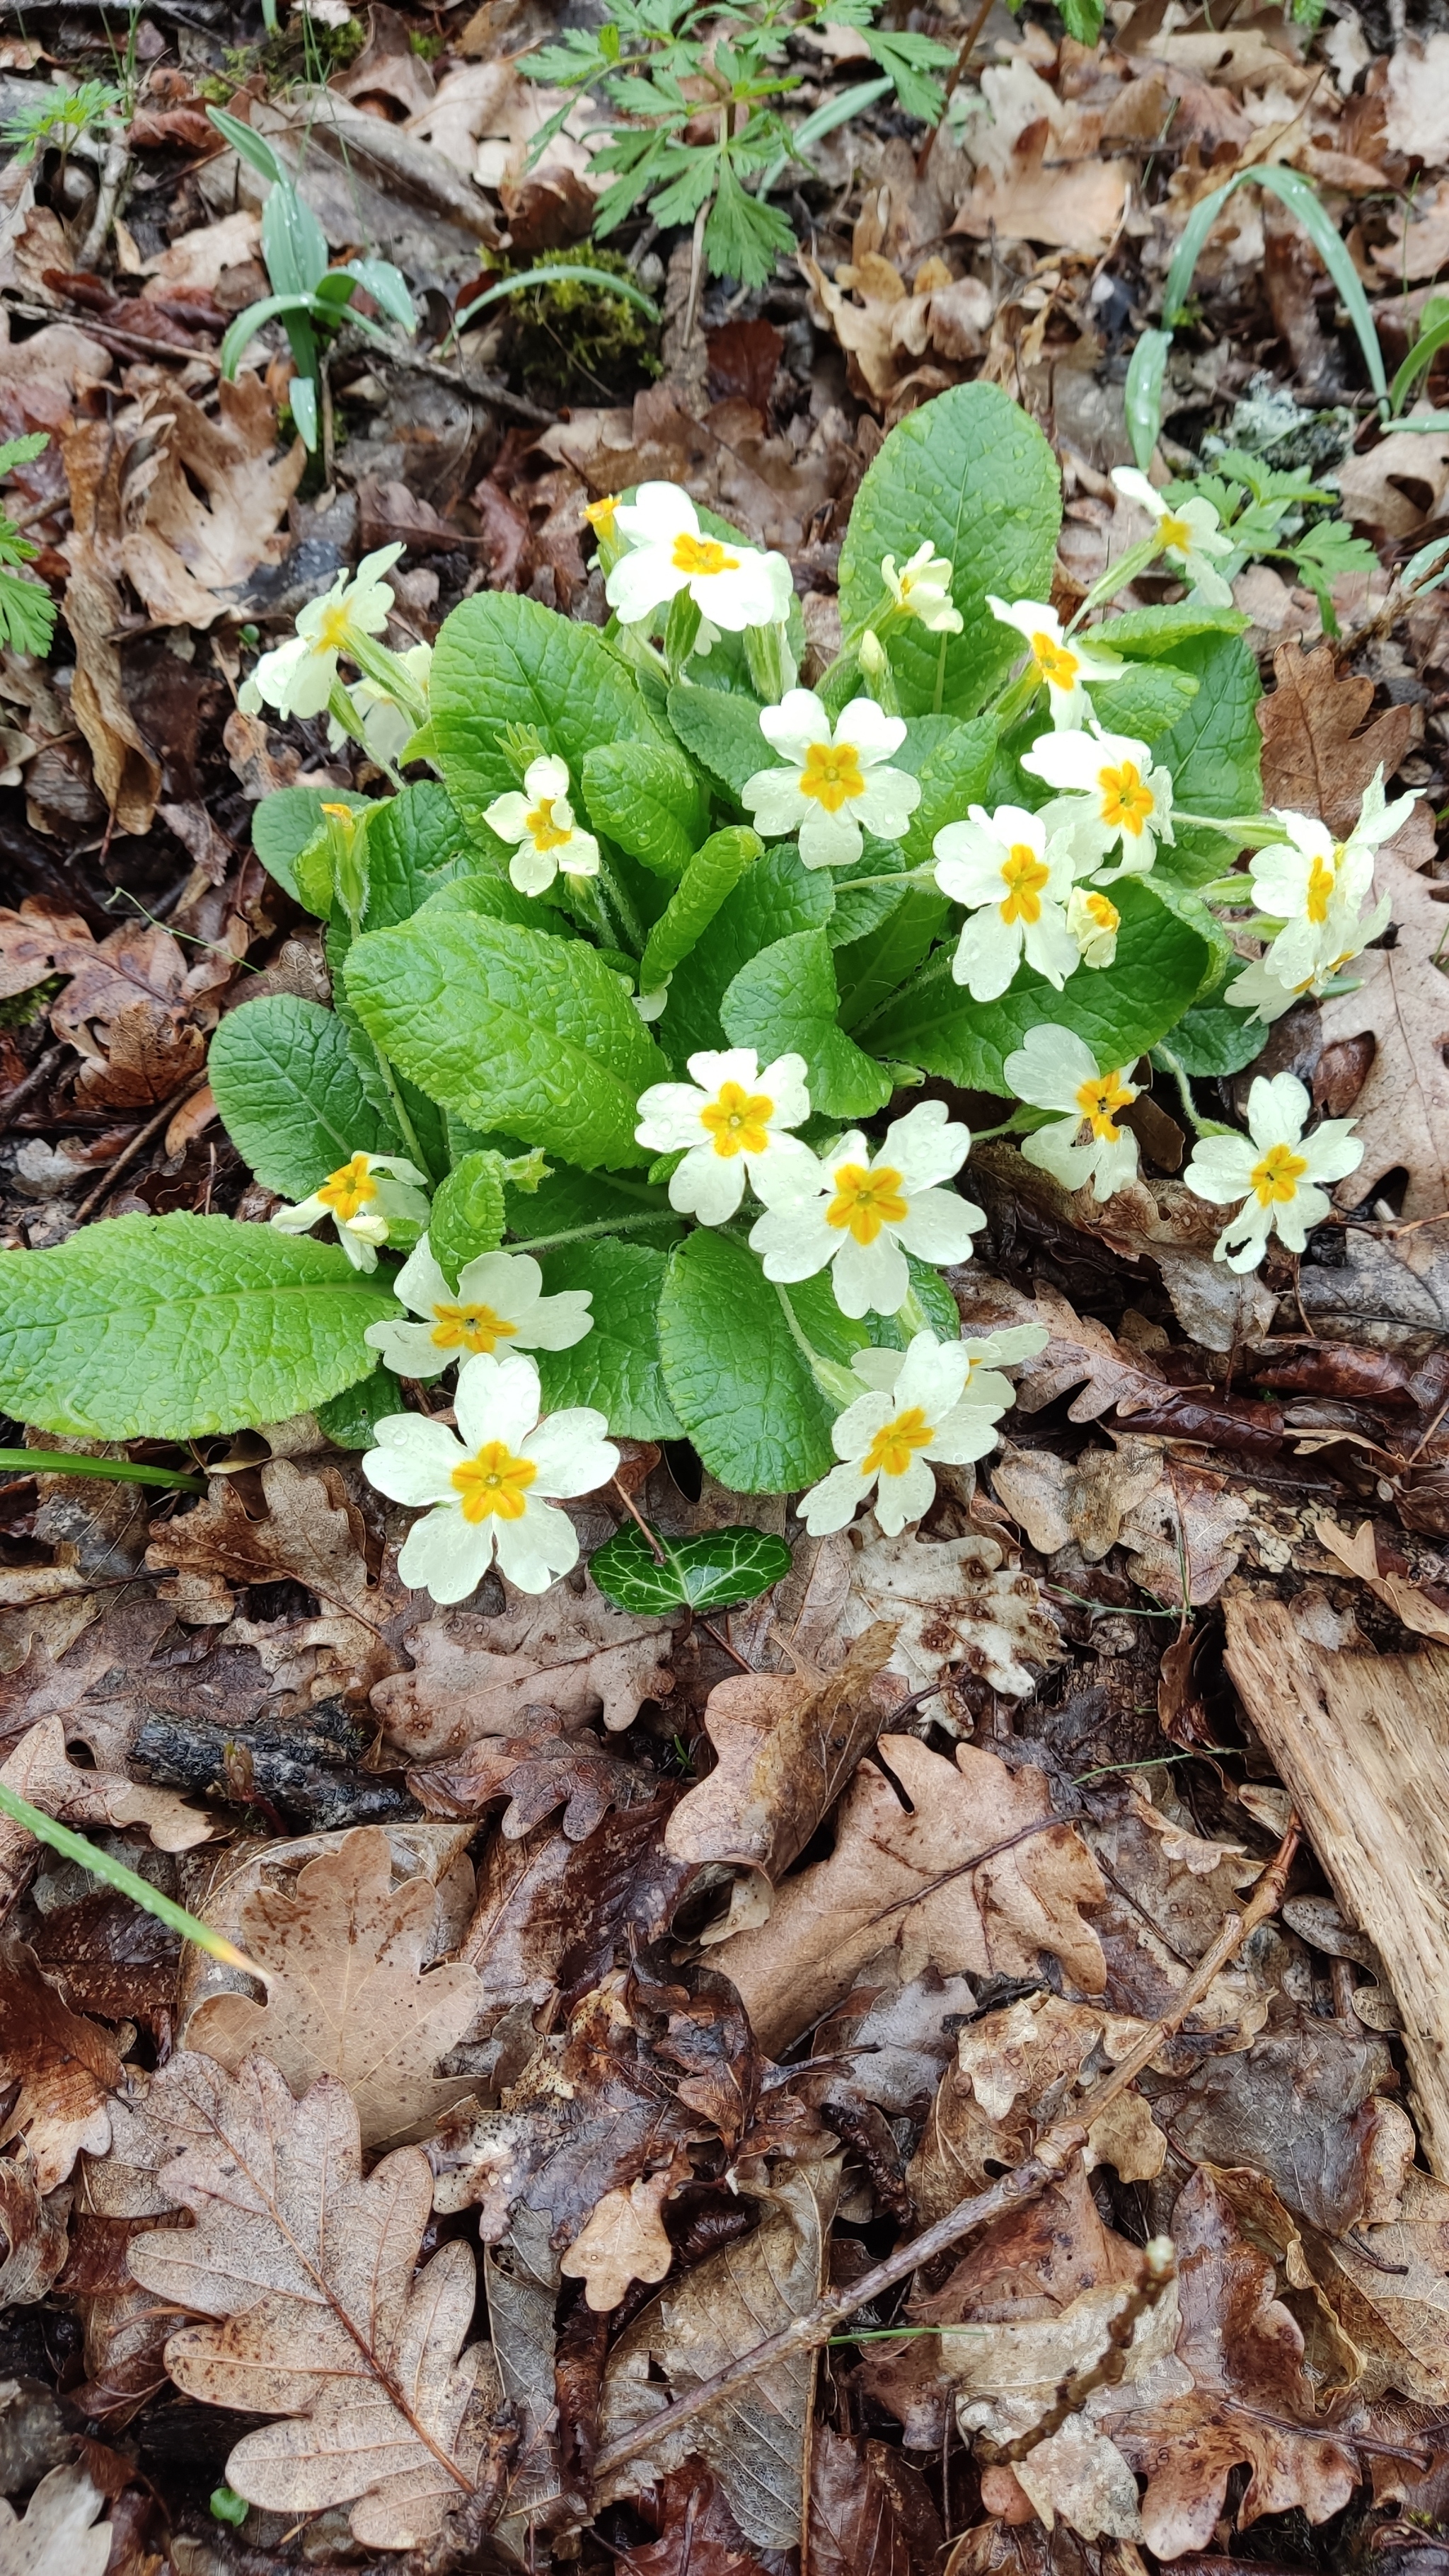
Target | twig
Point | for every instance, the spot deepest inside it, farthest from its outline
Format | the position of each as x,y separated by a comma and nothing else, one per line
130,344
128,1153
40,1072
114,171
967,49
1053,2154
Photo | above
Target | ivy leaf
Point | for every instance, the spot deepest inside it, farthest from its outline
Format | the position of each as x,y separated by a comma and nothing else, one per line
290,1093
286,821
785,1002
511,1029
723,733
503,661
711,875
975,475
776,898
1120,1010
648,799
616,1366
165,1328
711,1573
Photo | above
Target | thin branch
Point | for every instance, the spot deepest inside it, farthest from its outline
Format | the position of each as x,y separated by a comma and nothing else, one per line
1051,2158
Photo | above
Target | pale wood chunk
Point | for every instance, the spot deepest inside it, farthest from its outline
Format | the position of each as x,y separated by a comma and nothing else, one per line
1361,1742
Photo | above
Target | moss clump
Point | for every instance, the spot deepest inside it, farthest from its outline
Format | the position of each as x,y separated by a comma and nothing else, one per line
572,343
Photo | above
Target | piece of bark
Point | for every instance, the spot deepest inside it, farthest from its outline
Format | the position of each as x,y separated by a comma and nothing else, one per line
1360,1743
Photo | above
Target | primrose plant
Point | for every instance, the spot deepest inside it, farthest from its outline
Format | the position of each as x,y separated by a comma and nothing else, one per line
619,1111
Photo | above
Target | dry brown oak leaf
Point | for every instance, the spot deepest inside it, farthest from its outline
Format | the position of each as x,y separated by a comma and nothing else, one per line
951,1603
33,2231
349,1990
39,1769
321,2318
1403,1003
1316,760
134,1008
66,2069
59,2535
756,2441
900,1877
786,1743
473,1677
313,1533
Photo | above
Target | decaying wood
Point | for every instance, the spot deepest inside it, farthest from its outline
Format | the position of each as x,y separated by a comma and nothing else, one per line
1360,1742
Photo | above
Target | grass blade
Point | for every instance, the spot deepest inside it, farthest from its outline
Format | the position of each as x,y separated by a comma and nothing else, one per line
114,1873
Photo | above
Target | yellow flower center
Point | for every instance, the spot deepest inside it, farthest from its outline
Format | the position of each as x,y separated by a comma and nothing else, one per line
696,555
865,1201
470,1328
1023,874
891,1451
349,1189
335,631
1056,665
493,1481
738,1120
1175,533
1278,1174
342,814
1126,798
1322,878
600,514
1098,1102
1105,914
832,774
541,828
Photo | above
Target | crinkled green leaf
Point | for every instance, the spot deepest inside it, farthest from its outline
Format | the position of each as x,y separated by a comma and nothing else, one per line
1147,633
953,777
1214,752
975,475
785,1002
511,1029
351,1418
291,1096
1120,1010
468,1213
167,1327
615,1367
777,898
648,799
711,1573
734,1373
723,733
710,876
869,970
504,661
1147,701
416,843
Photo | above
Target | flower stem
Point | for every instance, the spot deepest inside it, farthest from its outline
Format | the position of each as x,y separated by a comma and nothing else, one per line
1200,1126
836,1383
1117,576
587,1233
406,1129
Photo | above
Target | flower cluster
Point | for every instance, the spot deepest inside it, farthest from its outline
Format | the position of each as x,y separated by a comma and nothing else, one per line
1314,895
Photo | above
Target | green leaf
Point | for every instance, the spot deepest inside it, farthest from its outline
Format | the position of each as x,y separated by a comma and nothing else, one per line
294,245
27,614
504,661
909,59
416,843
646,798
495,898
711,875
735,1375
712,1573
975,475
1146,634
722,731
952,776
252,147
785,1001
351,1418
1213,1038
1214,753
743,235
286,821
615,1367
1121,1010
777,898
165,1328
1146,702
601,1202
511,1029
290,1093
468,1213
869,970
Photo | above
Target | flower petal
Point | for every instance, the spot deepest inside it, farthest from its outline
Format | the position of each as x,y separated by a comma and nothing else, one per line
534,1550
413,1460
708,1185
828,840
571,1452
870,1278
445,1555
497,1398
834,1501
940,1226
409,1348
926,1145
874,734
798,721
899,1499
